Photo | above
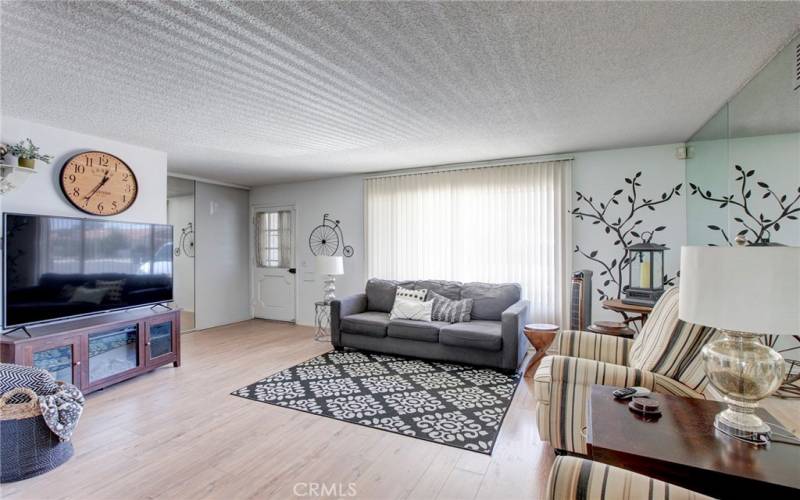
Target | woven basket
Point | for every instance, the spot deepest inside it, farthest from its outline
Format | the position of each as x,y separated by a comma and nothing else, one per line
27,446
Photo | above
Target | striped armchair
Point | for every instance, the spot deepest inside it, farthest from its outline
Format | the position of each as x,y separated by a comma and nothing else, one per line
573,478
664,357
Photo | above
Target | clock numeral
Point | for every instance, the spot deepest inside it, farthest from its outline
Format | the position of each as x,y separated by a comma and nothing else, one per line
100,207
103,161
89,161
125,177
128,188
116,167
79,169
76,191
124,198
114,204
72,178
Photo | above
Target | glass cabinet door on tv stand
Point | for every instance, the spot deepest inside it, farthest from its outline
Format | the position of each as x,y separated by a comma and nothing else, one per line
62,358
113,352
160,343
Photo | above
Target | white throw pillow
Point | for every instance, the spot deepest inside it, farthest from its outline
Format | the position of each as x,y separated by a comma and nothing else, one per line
405,308
407,293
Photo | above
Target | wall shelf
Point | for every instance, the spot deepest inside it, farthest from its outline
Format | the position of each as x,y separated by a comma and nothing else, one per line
13,176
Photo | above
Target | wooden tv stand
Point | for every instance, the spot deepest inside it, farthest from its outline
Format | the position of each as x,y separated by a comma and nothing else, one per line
97,351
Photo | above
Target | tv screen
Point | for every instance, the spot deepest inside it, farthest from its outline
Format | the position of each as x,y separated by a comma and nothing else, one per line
62,267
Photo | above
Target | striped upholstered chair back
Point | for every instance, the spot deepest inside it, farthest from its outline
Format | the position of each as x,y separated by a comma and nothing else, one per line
671,347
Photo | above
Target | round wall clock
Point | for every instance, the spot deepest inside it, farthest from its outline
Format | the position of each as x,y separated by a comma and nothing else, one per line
98,183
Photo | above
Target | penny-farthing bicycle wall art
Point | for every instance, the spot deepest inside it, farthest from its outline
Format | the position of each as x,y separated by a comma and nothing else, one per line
185,244
327,238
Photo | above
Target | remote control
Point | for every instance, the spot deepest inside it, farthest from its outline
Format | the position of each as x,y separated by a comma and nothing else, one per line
630,392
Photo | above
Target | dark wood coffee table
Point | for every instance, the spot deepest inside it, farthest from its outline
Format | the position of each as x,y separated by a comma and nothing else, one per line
683,448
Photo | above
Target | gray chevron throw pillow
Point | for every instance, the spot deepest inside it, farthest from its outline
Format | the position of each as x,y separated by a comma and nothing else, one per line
452,311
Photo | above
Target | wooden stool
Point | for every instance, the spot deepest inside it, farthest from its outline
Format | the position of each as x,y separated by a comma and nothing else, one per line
611,328
540,336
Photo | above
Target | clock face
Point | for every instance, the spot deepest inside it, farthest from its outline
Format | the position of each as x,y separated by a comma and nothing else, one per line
99,183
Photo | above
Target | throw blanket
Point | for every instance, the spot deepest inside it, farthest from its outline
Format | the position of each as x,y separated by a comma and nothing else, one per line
61,404
62,410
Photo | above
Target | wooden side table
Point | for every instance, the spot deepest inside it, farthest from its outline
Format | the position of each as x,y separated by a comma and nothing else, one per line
540,336
611,328
322,318
631,313
683,448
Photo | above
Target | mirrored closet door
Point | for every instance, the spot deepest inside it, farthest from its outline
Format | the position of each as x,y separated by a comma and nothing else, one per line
180,214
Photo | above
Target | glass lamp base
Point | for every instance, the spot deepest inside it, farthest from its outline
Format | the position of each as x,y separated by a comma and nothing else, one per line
744,371
729,422
329,289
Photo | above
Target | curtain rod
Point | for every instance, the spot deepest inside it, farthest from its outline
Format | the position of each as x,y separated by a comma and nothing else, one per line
449,167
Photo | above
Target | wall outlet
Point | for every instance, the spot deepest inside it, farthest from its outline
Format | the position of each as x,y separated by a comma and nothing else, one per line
682,152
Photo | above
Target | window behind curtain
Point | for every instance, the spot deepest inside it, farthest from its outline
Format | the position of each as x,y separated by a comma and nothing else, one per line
490,224
274,239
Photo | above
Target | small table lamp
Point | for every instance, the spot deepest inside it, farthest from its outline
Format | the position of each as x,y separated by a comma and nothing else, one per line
744,292
330,266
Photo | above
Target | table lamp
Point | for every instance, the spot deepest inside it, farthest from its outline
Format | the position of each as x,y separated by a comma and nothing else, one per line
744,292
330,266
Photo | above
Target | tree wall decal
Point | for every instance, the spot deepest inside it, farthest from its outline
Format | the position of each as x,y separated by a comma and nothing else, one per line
625,230
756,229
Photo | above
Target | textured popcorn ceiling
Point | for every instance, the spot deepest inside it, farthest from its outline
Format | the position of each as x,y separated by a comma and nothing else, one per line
257,92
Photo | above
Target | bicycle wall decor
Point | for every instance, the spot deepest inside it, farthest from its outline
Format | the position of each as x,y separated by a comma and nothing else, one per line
326,238
186,242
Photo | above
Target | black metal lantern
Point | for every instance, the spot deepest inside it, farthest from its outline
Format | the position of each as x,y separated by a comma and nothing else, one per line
645,273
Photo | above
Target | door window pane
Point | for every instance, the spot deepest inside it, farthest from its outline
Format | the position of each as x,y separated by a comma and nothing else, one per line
274,239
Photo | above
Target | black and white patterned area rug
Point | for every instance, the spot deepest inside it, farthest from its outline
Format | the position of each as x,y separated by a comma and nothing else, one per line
450,404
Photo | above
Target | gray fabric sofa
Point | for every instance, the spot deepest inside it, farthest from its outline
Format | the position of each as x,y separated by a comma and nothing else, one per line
494,336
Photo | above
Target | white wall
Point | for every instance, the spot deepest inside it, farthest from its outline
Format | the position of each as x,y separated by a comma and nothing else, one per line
41,194
222,272
343,199
180,213
599,174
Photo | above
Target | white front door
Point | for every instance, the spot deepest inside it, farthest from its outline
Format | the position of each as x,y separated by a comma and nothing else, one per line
274,272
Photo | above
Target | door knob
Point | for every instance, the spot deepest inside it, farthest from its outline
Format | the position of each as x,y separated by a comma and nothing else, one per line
292,270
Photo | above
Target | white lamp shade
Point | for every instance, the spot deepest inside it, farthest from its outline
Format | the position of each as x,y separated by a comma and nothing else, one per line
330,265
743,289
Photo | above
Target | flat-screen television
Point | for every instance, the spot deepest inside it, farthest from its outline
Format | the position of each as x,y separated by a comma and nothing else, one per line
62,267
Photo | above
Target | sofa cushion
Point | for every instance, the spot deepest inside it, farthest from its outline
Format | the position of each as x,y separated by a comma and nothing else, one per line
411,294
415,330
489,301
486,335
449,289
405,308
451,311
370,323
380,294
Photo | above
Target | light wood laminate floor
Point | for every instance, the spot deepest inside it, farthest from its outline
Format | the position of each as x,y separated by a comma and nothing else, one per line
177,433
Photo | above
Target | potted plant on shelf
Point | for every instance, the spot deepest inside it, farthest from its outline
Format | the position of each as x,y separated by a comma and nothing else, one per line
27,154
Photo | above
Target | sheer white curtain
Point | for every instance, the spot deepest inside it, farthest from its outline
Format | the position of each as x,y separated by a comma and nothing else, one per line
492,224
